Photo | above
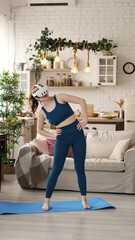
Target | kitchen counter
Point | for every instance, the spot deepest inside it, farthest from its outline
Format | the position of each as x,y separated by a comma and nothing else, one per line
117,122
104,120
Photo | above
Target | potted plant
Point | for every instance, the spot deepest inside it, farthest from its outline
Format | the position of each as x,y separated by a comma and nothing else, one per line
50,59
11,105
106,46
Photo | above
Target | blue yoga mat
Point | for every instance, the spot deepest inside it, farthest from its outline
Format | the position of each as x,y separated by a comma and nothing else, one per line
65,206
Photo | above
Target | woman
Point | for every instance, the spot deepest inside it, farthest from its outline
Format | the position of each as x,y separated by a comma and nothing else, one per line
69,132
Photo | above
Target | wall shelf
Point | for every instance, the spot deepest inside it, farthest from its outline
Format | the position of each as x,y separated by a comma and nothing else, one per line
73,87
52,70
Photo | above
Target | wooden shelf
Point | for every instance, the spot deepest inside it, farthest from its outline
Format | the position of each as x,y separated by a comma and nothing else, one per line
52,70
73,87
65,87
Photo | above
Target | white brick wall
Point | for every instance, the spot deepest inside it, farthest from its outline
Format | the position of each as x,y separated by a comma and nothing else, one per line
89,20
5,7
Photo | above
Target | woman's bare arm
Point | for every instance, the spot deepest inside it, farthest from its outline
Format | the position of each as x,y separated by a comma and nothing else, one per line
73,99
40,126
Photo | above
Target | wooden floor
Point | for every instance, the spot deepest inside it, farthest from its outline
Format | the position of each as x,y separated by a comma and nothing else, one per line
106,224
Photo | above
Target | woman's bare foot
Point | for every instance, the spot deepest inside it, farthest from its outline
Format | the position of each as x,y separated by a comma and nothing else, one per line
84,203
46,204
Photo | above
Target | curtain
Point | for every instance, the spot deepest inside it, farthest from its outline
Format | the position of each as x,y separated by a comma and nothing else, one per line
6,44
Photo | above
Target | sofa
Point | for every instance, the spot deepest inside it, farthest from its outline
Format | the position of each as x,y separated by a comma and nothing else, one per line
109,165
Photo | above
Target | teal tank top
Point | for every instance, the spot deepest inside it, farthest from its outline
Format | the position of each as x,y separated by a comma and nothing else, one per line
61,112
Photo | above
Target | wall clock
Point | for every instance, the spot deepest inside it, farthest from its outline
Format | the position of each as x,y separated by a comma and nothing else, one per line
128,67
70,62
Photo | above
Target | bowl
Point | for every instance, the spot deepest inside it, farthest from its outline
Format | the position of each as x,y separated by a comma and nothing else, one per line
95,114
23,114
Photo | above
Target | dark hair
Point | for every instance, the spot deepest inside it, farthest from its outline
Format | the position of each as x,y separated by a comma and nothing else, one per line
33,103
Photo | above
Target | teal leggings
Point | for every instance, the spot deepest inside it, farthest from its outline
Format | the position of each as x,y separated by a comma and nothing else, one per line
70,136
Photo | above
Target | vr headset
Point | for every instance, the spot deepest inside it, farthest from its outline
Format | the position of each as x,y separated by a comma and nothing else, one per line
41,92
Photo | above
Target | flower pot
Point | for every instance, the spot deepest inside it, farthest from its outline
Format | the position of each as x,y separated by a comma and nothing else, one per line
49,65
106,53
19,66
9,168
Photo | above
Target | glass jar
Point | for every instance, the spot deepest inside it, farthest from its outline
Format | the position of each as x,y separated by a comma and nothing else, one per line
63,80
69,80
51,81
58,79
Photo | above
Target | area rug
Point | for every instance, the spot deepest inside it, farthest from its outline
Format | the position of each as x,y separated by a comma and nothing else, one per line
62,206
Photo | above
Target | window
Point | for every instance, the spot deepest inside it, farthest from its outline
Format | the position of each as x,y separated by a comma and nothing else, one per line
6,44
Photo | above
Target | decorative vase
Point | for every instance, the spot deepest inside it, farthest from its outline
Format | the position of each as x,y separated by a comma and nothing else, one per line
49,65
121,113
77,113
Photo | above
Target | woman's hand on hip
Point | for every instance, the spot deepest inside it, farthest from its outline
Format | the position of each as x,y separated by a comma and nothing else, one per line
57,132
81,125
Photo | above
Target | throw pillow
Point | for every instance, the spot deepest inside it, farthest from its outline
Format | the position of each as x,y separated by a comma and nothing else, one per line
51,143
119,150
48,144
41,145
101,143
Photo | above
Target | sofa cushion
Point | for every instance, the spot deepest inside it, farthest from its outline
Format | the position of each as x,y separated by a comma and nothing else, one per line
100,144
119,150
95,164
46,146
41,145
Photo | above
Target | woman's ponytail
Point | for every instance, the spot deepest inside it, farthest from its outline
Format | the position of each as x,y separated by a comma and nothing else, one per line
33,103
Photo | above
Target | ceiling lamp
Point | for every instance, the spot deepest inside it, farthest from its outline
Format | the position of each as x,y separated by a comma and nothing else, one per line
44,61
74,70
87,69
57,58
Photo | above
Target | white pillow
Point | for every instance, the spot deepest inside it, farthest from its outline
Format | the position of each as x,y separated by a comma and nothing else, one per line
119,150
100,144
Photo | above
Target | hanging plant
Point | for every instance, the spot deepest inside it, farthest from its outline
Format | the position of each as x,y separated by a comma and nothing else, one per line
106,46
47,44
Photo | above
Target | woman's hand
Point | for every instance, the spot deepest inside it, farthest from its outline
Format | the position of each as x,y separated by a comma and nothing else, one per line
81,125
57,132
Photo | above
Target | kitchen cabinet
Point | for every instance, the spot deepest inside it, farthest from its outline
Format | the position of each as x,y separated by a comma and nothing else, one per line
27,129
106,70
